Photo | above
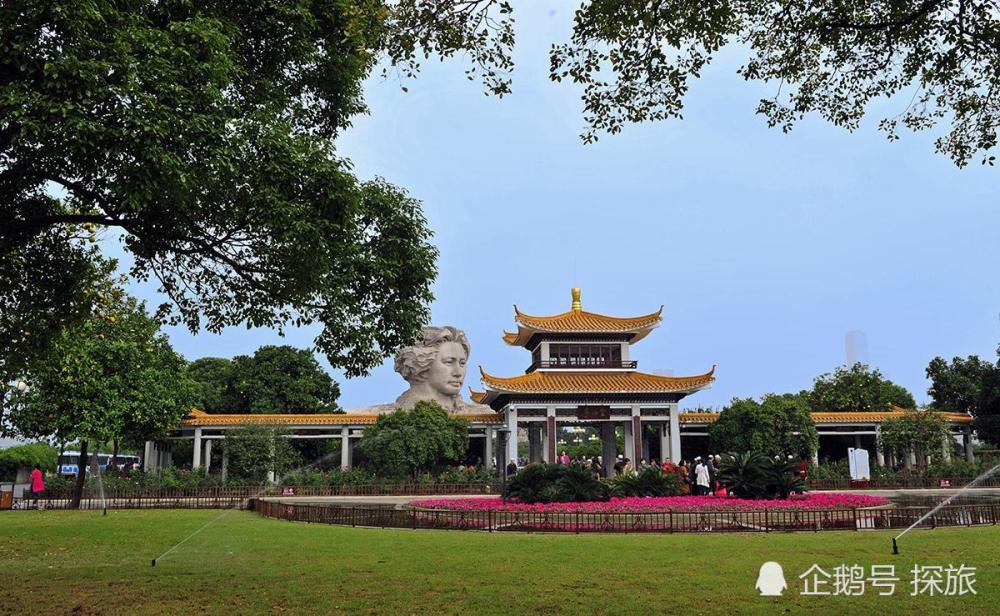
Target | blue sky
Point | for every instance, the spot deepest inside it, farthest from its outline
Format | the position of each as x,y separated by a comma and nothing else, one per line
765,248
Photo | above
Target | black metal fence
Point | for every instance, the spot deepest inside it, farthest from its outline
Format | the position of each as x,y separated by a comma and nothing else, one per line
236,497
899,483
388,516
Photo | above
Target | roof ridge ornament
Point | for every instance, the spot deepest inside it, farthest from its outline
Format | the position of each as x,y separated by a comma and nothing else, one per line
576,305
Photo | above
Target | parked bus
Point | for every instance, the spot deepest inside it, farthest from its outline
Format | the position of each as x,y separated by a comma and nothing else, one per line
69,462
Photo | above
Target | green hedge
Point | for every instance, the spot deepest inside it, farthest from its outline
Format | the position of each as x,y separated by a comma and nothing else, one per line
173,477
41,455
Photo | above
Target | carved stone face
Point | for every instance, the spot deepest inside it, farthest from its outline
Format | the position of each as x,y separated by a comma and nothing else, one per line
447,372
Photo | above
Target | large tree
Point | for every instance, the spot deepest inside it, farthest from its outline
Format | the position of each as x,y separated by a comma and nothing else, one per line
112,377
934,61
214,385
777,425
857,388
923,433
407,443
201,133
830,57
275,379
968,385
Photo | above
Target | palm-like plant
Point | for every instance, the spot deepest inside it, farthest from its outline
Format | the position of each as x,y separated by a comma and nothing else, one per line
782,477
744,474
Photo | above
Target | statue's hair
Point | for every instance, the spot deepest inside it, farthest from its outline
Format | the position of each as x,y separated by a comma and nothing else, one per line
412,362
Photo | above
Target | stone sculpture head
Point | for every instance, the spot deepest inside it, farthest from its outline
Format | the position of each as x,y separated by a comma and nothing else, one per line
434,367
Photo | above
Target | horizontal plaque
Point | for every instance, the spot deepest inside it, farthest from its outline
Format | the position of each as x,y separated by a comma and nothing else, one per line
593,412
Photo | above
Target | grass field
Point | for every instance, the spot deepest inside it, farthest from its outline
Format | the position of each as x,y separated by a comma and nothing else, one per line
82,563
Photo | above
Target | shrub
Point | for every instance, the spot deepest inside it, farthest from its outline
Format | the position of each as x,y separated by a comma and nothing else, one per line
650,482
551,483
405,444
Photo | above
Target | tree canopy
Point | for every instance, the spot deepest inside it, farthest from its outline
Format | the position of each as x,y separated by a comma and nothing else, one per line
408,443
932,64
778,425
202,134
968,385
925,433
112,377
275,379
255,451
958,386
857,388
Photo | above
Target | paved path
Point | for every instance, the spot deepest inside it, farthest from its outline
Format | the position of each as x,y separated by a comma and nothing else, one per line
368,500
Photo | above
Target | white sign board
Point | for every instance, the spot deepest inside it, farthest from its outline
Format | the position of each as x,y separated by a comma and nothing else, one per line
858,461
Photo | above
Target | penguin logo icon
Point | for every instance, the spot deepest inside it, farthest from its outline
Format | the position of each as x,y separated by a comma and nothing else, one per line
771,580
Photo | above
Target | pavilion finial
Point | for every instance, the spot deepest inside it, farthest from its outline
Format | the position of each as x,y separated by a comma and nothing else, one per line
577,306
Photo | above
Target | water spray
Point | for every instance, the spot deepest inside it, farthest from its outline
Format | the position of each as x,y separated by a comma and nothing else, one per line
971,484
228,511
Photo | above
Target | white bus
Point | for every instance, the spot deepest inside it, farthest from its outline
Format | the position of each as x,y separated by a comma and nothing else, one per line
69,462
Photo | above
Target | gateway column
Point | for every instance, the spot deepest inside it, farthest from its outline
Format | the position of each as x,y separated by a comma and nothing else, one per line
488,456
675,434
609,448
512,438
663,429
534,442
345,448
636,436
550,433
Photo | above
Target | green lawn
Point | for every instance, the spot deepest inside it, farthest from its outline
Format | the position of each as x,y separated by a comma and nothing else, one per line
83,563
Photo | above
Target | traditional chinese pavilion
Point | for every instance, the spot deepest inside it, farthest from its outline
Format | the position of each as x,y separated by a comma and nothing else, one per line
582,373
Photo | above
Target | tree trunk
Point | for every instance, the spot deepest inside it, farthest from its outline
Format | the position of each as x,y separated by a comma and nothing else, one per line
81,476
114,454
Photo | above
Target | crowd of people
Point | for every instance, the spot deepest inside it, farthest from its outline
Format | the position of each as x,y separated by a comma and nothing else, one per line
698,477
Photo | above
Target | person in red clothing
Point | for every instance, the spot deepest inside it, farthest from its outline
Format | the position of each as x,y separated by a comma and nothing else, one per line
37,485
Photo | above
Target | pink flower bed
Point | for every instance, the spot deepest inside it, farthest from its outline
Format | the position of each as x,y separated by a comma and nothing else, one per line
807,502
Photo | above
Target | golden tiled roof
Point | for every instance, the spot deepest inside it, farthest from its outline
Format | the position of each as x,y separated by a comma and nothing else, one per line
828,417
585,381
578,320
197,418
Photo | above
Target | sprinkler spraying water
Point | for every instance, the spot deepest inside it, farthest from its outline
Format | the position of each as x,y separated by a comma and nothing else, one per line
971,484
227,511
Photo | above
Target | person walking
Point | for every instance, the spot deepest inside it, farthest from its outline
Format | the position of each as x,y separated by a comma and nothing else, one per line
511,468
37,486
682,471
564,459
702,478
693,475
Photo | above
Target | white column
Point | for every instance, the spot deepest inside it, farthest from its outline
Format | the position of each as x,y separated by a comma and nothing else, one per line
629,441
967,442
675,434
345,448
512,439
225,463
946,447
879,456
488,461
196,458
208,455
545,441
664,430
148,457
551,434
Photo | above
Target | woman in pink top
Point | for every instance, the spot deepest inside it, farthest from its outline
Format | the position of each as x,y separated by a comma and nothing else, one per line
37,485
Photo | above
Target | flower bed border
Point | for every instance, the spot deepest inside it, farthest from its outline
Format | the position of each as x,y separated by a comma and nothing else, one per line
390,516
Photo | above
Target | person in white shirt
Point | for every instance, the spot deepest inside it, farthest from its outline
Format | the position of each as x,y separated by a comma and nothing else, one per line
702,478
